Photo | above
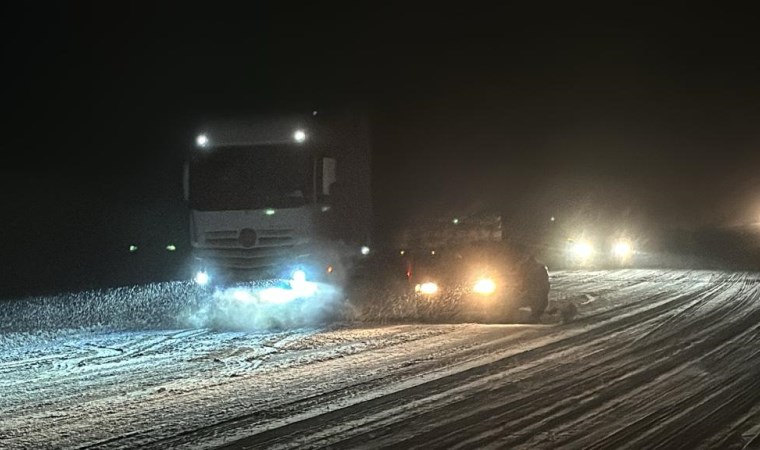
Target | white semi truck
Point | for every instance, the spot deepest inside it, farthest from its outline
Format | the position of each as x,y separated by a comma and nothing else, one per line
279,197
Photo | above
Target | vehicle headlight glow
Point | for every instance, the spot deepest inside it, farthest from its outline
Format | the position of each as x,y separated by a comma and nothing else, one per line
427,288
622,249
201,278
300,287
242,296
365,250
484,286
299,276
581,249
202,140
299,136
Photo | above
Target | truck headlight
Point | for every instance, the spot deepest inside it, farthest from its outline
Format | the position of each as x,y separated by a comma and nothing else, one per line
427,288
202,278
298,276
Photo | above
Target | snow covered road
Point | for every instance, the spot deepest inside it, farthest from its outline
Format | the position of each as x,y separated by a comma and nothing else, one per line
666,359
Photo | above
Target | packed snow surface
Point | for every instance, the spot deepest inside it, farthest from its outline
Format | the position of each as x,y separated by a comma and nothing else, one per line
653,359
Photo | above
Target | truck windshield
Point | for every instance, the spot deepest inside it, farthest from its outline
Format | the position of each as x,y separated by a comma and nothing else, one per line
237,178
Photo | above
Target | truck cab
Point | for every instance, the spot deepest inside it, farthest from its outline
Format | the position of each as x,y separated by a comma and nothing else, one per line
270,196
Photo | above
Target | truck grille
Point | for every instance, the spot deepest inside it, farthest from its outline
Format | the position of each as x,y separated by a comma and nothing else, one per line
225,249
266,238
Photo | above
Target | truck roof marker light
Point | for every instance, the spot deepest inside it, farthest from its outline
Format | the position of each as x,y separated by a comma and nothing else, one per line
299,136
269,212
202,141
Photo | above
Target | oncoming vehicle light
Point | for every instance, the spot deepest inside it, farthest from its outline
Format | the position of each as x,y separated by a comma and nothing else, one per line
427,288
299,136
201,140
484,286
622,249
581,249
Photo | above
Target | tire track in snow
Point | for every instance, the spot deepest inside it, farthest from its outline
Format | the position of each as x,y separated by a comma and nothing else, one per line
520,410
269,438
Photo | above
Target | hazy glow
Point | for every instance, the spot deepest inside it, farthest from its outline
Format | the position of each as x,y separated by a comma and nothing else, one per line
455,221
299,276
171,247
276,295
242,295
297,287
201,140
300,288
299,135
132,248
622,249
269,212
581,249
484,286
365,250
201,278
428,288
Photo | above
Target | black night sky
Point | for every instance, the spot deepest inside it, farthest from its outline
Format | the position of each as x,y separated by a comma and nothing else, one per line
649,116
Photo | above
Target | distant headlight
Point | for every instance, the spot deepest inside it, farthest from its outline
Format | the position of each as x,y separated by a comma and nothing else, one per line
484,286
581,249
622,249
428,288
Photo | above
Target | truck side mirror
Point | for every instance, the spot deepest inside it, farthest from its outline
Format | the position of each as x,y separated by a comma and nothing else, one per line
329,174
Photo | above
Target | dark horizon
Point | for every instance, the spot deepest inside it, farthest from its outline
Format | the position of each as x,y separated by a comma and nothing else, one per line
642,119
